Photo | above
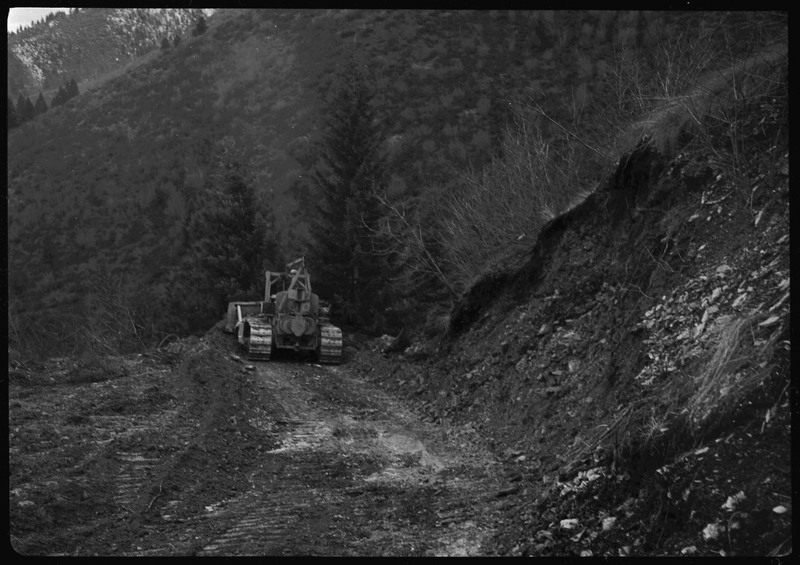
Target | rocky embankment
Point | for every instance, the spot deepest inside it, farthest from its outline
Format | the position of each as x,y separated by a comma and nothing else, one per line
633,368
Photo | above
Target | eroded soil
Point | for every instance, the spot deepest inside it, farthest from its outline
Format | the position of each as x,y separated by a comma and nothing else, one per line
197,452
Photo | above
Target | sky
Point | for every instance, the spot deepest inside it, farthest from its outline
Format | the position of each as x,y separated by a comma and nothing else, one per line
24,16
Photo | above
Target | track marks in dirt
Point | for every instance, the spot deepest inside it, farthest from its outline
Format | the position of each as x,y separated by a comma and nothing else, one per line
212,458
351,472
364,473
262,522
134,474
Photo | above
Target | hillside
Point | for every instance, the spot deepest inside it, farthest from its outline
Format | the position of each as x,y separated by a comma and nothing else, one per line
88,44
108,180
633,369
616,382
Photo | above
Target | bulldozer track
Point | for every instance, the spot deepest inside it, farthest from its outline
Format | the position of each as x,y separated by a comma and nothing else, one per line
265,522
136,469
306,434
133,477
331,345
328,466
259,346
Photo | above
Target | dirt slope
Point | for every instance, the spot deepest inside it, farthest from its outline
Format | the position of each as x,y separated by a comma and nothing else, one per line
633,367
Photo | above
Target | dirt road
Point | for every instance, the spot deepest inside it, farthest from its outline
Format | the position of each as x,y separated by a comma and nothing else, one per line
213,456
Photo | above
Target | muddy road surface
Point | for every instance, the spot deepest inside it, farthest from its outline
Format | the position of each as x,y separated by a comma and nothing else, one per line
202,453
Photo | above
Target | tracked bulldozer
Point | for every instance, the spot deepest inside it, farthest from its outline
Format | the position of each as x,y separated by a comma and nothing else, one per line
292,318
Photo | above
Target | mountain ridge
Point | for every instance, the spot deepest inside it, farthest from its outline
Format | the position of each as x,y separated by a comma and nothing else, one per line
88,43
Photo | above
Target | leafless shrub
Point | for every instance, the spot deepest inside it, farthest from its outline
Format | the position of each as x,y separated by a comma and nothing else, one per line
402,237
507,203
119,317
15,341
41,334
697,88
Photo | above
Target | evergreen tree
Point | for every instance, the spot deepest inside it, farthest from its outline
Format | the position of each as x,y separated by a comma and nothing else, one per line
72,89
165,43
177,40
230,241
59,98
12,114
20,109
347,210
24,109
41,106
201,26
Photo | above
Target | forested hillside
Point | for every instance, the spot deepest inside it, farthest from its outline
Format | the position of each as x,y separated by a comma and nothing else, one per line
86,44
108,186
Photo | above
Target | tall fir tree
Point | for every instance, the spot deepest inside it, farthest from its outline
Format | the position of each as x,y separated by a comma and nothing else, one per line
351,171
230,242
41,106
60,97
72,89
20,106
24,109
201,27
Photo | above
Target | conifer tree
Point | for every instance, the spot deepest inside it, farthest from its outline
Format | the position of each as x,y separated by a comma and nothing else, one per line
60,97
201,27
165,43
72,89
20,106
41,106
347,213
24,109
230,241
12,114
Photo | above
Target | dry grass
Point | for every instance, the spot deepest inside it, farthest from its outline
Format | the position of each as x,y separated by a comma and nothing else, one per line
707,100
736,367
680,412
